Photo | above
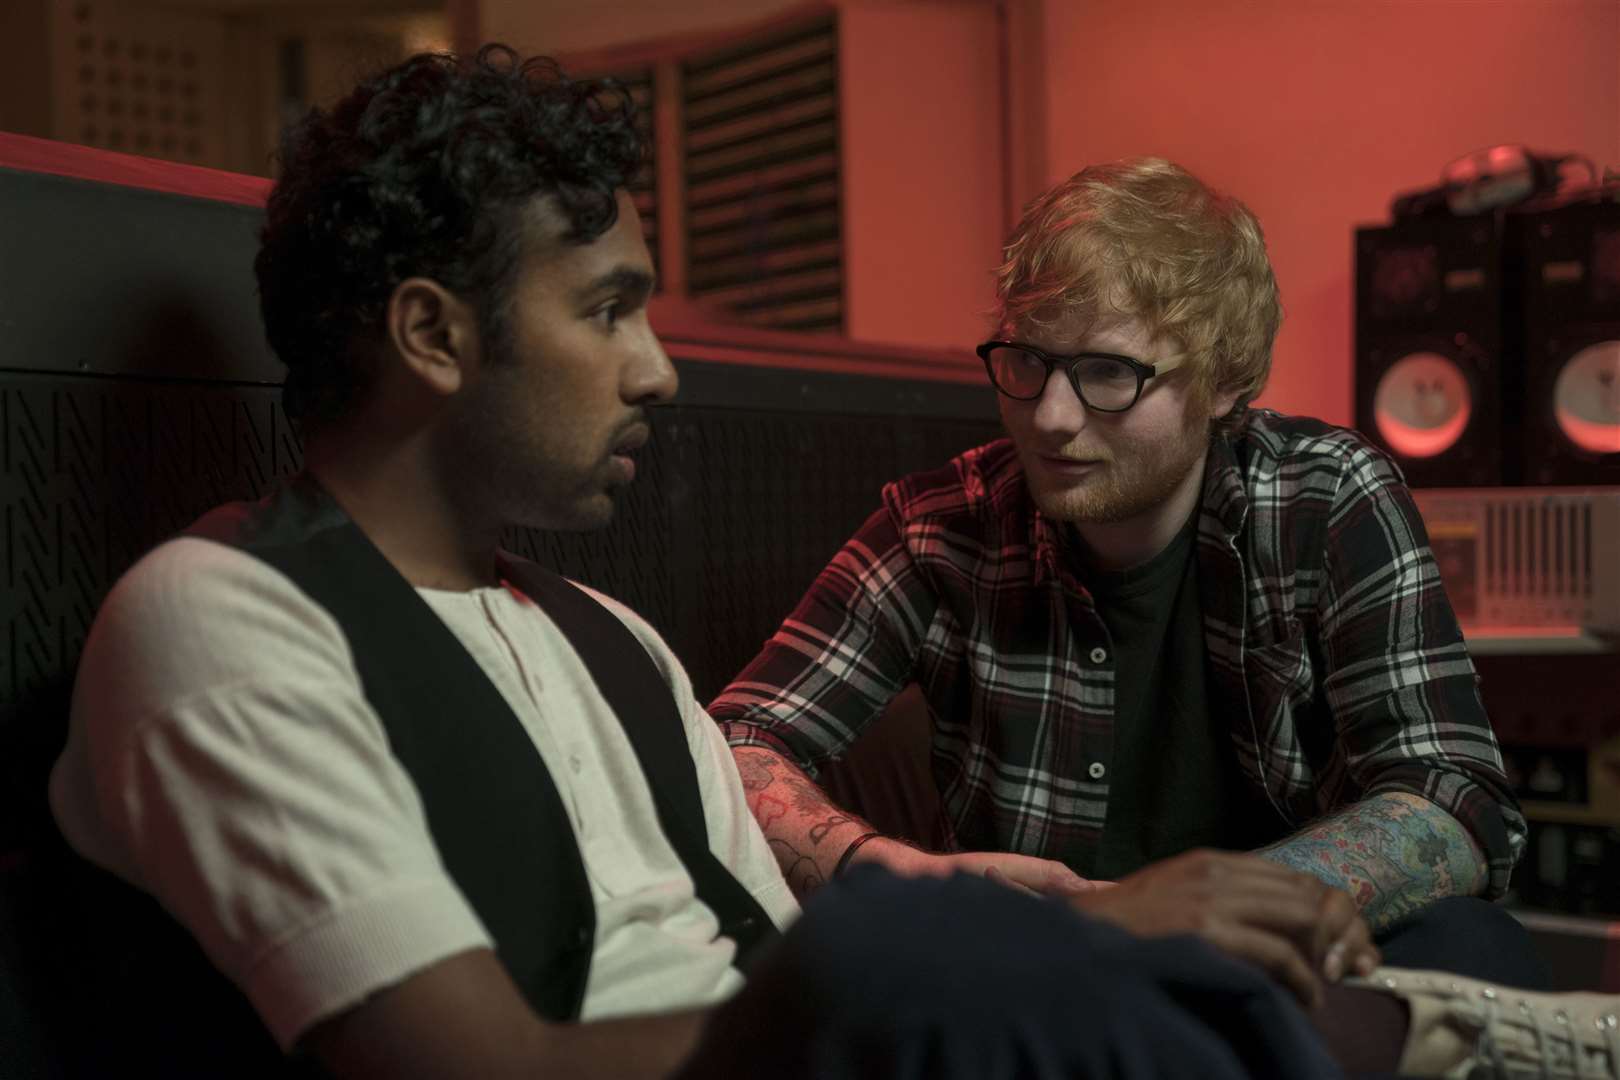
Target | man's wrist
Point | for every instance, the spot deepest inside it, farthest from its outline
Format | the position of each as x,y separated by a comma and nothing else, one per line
900,856
855,846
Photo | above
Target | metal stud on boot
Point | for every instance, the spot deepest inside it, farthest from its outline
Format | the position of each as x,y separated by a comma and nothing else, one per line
1461,1027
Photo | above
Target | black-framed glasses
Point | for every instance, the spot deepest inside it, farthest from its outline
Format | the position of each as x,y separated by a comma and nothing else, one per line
1106,382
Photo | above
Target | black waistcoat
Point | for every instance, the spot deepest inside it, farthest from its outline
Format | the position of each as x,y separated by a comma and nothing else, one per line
492,806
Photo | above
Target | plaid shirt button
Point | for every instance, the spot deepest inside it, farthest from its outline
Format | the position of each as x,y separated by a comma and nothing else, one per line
1096,770
1098,655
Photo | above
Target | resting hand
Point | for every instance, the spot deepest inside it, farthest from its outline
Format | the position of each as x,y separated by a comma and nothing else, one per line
1026,872
1343,941
1286,922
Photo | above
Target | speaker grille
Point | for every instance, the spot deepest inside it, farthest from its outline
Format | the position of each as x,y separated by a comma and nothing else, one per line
1431,378
1566,331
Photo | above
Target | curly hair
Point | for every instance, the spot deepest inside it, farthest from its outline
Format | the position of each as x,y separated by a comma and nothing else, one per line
426,169
1145,238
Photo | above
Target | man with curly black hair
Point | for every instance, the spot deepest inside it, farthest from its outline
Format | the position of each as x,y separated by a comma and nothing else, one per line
357,751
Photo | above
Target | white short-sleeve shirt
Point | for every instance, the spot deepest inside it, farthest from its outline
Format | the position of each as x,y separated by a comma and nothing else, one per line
222,756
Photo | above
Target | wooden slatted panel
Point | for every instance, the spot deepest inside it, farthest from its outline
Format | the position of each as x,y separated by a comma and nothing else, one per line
139,81
764,236
639,85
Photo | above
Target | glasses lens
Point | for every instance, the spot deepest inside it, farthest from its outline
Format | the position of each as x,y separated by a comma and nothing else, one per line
1017,373
1105,383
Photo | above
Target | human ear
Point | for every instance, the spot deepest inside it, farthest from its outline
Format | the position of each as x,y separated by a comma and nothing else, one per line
1222,403
433,332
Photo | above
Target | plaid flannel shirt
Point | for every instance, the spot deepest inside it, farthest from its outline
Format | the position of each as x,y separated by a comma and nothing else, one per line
1330,644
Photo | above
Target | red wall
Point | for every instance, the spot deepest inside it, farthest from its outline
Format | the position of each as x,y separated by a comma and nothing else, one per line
1314,112
921,130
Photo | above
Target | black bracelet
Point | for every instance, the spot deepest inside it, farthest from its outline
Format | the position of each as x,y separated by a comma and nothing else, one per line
843,860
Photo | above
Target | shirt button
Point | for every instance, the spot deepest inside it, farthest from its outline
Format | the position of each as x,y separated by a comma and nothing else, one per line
1099,654
574,762
1096,770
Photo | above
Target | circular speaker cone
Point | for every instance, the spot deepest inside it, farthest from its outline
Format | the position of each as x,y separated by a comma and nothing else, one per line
1422,405
1586,398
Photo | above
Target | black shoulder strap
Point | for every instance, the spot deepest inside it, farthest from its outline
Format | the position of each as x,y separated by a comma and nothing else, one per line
641,699
484,786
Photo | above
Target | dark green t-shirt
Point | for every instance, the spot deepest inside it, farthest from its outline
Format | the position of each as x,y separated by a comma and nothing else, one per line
1175,780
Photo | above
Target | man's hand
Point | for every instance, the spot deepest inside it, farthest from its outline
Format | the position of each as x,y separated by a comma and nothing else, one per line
1025,872
1289,923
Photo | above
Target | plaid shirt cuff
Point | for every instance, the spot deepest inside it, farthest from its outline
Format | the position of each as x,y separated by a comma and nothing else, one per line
1496,826
743,733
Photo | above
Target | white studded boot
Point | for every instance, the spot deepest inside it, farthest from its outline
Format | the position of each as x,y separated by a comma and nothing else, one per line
1461,1027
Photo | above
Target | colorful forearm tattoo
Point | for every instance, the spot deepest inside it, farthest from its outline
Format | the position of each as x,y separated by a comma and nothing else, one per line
1393,853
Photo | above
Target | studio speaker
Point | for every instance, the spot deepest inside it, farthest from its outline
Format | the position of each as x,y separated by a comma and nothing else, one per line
1432,387
1564,298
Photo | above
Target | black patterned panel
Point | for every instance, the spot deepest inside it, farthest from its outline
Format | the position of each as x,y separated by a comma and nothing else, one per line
732,514
96,471
773,495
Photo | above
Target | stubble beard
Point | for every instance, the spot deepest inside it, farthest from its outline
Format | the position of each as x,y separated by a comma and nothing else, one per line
499,465
1136,479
